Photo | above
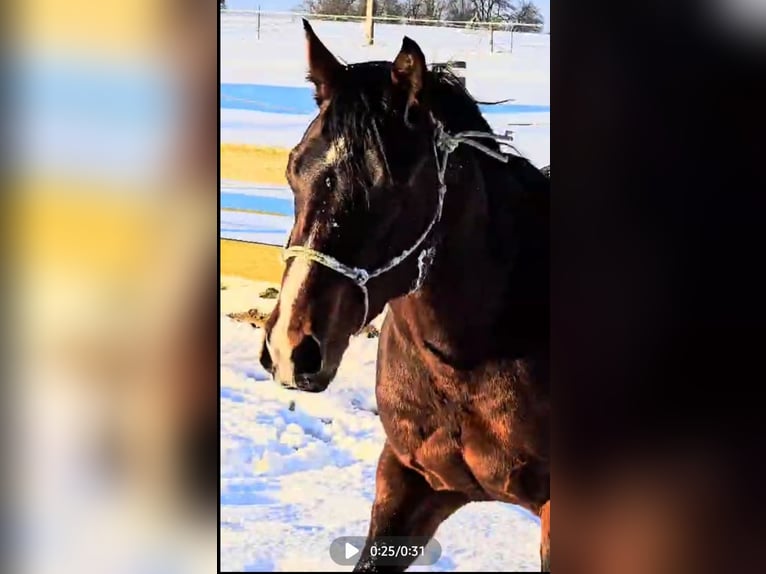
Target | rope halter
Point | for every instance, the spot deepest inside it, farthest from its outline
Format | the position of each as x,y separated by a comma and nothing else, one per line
444,143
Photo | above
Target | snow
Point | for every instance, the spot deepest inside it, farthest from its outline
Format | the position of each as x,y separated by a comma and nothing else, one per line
294,480
298,469
255,227
278,58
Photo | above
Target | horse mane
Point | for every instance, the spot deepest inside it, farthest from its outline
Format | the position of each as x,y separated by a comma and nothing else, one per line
454,106
365,99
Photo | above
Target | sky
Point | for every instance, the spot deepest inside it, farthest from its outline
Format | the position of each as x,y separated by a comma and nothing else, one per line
288,5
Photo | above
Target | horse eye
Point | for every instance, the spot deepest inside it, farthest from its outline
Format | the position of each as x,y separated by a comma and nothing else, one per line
329,183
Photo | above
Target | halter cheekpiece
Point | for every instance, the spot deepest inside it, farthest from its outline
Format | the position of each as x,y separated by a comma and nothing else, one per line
444,143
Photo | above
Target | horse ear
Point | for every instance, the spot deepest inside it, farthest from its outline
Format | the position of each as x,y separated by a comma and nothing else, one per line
409,71
323,67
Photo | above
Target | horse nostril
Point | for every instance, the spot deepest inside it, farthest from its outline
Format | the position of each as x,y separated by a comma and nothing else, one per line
307,357
266,361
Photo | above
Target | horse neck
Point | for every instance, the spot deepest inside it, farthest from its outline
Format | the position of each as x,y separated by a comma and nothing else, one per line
468,287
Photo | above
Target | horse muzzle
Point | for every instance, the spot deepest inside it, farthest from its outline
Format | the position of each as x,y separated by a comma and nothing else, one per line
303,370
310,384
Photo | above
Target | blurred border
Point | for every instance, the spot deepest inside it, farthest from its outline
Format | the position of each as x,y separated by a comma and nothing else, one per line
112,232
658,307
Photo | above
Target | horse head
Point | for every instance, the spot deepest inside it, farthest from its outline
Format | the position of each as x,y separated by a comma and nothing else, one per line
366,194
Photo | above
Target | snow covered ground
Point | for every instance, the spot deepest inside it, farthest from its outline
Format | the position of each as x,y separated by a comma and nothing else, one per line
278,58
297,469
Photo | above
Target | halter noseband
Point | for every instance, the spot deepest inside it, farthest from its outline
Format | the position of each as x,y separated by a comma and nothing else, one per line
445,143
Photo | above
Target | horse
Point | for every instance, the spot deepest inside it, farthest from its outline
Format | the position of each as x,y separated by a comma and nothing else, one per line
404,199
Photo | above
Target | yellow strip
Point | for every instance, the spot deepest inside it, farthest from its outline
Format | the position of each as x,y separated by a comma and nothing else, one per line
257,164
251,261
83,230
245,210
261,164
99,27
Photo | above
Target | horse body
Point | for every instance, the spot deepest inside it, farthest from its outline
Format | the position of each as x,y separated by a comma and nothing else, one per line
462,382
462,372
463,362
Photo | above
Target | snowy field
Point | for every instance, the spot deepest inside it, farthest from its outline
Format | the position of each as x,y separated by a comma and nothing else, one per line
278,59
297,469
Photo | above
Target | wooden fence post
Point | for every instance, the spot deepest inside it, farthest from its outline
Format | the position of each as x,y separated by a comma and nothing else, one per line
369,25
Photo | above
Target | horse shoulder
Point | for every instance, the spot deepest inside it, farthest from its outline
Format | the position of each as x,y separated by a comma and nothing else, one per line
506,435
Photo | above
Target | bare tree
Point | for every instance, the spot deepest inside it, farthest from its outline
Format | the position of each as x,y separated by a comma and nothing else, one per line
492,10
333,7
460,10
429,9
436,9
528,13
389,8
412,8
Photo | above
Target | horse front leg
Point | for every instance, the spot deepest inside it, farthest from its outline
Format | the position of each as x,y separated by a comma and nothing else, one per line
405,506
545,539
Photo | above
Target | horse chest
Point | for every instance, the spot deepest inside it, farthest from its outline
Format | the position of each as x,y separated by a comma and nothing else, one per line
483,453
483,433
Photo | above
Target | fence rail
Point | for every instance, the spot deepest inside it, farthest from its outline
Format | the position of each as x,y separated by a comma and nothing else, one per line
498,25
469,25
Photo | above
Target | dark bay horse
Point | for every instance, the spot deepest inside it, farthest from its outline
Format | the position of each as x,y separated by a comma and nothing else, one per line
394,206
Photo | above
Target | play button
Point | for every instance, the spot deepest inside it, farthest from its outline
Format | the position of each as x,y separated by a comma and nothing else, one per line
350,551
346,550
386,551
